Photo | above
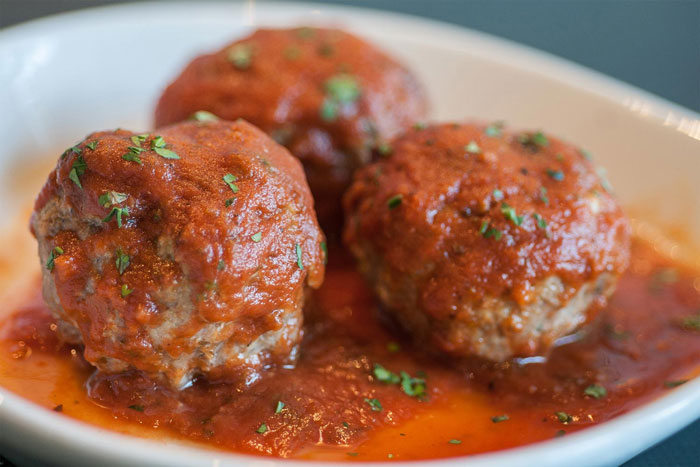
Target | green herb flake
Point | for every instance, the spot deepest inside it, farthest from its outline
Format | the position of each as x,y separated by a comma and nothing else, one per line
341,89
384,375
324,250
158,145
375,404
111,198
563,417
297,249
306,32
420,126
262,428
472,148
92,145
384,149
138,408
455,441
494,130
55,253
279,406
691,323
241,56
534,140
497,194
585,154
511,215
603,178
541,223
393,347
414,387
204,116
556,175
394,201
596,391
256,237
122,261
346,424
221,265
74,149
77,170
132,156
229,202
118,213
543,196
126,291
229,179
500,418
326,50
675,384
292,52
484,227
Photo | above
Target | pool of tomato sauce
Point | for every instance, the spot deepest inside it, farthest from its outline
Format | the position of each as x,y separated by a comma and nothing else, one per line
636,348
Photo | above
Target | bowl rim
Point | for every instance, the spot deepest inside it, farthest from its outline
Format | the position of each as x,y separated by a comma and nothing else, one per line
668,413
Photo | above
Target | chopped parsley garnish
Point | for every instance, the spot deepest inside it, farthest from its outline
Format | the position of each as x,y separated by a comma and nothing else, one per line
564,417
229,202
262,428
541,223
111,198
534,140
279,406
126,291
603,177
384,148
691,323
675,384
342,89
420,126
74,149
118,213
487,232
241,55
586,155
256,237
375,404
92,145
55,253
497,194
204,116
346,425
133,155
543,195
596,391
138,139
306,32
138,408
393,347
472,148
494,130
158,145
384,375
292,52
326,50
229,179
414,387
122,261
511,215
455,441
324,249
221,265
297,249
557,175
77,170
500,418
394,201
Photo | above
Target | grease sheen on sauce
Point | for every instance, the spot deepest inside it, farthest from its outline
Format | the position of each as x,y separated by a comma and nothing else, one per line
636,346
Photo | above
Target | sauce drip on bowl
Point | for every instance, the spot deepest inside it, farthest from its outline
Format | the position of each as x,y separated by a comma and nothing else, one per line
361,393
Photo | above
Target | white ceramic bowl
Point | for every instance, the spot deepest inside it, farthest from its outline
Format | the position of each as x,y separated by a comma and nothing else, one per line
65,76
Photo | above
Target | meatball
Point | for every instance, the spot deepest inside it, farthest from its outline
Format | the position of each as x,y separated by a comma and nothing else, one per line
179,253
328,96
483,242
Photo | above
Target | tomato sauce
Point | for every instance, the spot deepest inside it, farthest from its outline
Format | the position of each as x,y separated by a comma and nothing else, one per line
333,406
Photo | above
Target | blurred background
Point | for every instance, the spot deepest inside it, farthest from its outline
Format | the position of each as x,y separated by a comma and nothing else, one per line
651,44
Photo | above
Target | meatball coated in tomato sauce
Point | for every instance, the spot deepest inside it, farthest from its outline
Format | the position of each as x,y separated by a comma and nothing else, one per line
182,252
328,96
485,242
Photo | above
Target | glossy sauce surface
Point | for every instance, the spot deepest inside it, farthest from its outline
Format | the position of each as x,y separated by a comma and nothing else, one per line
645,341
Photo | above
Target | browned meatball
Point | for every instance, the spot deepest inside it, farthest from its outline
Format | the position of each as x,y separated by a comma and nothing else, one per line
180,252
483,242
327,95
